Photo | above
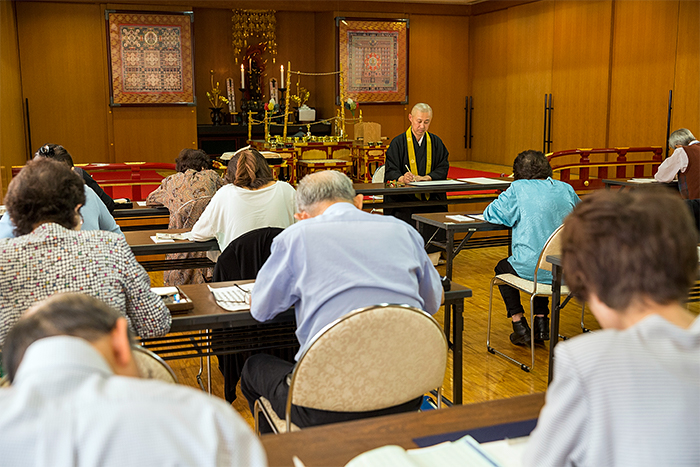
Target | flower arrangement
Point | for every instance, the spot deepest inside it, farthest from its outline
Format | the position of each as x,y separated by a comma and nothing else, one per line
351,105
214,96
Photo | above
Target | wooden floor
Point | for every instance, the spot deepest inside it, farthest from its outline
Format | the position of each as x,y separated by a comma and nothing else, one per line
486,376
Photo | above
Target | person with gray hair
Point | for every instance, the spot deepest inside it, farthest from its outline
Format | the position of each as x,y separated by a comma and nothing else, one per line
413,156
685,161
338,258
77,398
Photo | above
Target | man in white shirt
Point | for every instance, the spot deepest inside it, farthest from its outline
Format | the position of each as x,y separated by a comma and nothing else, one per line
685,161
76,399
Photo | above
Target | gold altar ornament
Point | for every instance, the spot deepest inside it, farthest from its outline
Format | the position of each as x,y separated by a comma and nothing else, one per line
214,96
251,24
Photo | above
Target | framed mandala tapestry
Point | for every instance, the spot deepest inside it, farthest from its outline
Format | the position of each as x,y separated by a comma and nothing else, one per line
150,58
373,56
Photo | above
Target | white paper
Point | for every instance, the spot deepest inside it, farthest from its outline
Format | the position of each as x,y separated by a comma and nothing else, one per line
161,240
233,306
507,452
643,180
436,183
483,181
460,218
141,203
174,236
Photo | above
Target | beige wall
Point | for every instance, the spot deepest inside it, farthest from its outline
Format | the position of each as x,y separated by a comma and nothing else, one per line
13,149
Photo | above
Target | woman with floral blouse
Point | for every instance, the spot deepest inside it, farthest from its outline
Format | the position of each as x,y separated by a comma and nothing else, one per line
51,253
186,194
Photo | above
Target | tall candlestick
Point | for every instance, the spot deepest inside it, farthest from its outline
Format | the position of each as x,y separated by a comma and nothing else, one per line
282,76
242,76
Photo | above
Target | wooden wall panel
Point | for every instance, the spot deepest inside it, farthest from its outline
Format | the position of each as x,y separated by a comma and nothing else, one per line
62,56
643,62
529,57
438,71
153,134
580,73
686,94
213,51
324,48
12,136
488,44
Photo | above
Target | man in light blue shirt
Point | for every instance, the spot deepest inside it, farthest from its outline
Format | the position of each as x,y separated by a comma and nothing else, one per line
534,206
95,217
336,260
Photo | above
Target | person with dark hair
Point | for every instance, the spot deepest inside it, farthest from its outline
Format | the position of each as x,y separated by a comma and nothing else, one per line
337,259
59,153
630,393
534,206
77,399
186,194
93,211
52,255
252,201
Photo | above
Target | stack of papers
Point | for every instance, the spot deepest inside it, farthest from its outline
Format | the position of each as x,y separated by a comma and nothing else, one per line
643,180
436,183
463,452
466,217
171,237
234,298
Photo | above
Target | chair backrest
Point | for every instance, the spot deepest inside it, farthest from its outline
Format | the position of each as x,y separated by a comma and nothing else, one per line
378,176
151,366
551,247
245,255
371,358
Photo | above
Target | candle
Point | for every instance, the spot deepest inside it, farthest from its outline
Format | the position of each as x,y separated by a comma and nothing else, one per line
242,76
282,76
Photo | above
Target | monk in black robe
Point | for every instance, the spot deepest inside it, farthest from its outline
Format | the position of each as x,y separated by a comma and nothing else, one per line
422,157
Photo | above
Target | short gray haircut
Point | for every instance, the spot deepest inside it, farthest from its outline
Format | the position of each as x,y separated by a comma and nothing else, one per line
64,314
423,108
680,137
327,185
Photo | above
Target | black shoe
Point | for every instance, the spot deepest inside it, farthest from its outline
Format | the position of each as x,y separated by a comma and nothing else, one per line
521,334
541,326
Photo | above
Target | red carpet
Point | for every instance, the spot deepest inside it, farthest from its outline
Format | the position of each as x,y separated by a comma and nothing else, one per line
456,172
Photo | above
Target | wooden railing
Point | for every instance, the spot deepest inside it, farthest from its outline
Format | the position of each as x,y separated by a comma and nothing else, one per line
594,165
133,180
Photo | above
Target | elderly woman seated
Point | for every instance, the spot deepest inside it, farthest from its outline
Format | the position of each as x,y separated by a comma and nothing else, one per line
94,212
629,394
186,194
51,253
251,201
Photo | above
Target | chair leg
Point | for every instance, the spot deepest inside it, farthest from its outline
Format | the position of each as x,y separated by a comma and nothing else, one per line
532,331
583,312
490,349
488,326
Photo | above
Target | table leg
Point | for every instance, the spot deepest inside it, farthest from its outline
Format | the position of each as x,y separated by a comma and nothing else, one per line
457,353
554,318
450,253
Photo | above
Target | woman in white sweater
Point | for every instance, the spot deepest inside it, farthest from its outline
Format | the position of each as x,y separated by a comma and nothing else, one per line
252,200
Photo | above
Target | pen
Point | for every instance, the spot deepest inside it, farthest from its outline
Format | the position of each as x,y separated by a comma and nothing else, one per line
407,169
